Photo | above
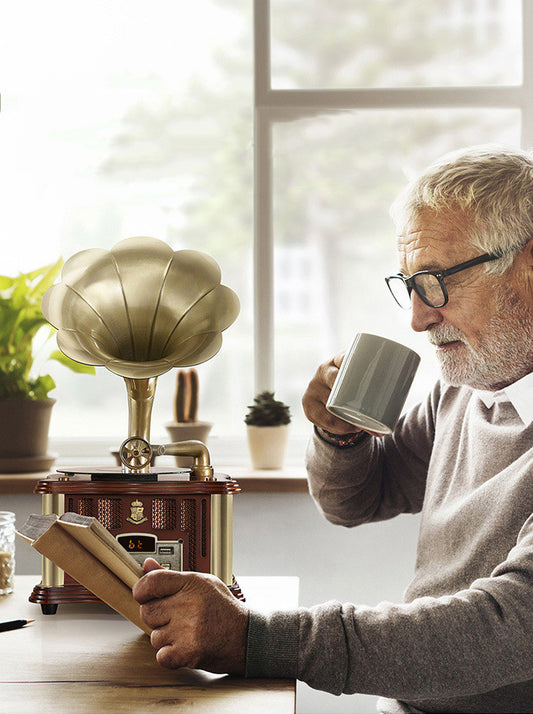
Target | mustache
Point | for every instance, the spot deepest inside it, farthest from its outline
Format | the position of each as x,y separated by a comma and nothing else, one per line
445,333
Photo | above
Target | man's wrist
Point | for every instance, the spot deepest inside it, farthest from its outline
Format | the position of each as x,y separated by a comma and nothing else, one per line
342,441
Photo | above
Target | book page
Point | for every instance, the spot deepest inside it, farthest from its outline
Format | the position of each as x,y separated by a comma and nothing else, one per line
35,526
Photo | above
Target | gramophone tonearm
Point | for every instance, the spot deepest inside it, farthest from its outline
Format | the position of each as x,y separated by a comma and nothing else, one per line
136,453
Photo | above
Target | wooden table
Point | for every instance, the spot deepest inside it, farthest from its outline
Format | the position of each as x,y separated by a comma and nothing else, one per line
87,659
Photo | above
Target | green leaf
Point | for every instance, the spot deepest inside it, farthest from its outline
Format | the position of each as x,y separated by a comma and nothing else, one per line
5,282
71,364
21,319
42,386
267,411
47,275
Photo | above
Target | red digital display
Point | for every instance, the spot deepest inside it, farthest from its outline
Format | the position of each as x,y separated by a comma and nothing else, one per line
138,543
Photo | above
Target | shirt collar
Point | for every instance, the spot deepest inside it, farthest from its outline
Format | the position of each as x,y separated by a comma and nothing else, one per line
520,394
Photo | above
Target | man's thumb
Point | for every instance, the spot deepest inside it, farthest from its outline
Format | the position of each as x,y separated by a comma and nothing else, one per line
151,564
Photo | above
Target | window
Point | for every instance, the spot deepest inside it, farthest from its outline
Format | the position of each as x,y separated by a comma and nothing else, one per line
352,99
126,119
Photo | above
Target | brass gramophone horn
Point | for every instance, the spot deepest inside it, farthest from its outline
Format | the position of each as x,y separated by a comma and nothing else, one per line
140,309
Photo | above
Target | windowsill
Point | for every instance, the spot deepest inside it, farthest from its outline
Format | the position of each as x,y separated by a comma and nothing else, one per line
228,456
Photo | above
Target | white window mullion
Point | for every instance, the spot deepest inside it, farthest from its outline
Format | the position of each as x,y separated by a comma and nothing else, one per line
289,104
527,74
263,235
263,255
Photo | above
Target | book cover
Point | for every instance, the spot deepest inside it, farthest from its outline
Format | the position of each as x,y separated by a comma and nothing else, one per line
86,550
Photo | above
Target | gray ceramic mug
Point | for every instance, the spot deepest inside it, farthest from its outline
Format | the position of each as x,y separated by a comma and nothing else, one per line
373,382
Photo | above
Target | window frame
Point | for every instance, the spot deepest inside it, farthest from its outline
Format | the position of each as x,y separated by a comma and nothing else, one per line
272,106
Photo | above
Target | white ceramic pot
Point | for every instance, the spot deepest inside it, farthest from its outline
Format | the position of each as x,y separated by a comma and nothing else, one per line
267,445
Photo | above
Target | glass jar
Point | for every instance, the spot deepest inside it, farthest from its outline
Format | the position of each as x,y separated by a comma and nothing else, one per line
7,552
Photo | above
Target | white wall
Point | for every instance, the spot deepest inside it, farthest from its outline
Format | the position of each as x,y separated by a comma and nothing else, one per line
283,534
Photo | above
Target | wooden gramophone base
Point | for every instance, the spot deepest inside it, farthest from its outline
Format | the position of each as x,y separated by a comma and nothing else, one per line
50,597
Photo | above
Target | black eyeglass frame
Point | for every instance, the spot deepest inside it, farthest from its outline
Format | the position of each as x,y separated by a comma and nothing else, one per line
410,282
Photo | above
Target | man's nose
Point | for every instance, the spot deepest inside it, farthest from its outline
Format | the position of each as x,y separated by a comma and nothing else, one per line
423,316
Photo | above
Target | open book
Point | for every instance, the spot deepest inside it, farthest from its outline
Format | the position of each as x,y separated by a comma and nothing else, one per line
87,551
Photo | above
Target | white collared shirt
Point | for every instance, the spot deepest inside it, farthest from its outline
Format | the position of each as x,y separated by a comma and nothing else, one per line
520,394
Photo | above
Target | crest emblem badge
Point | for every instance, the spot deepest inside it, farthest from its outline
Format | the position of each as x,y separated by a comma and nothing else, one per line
137,513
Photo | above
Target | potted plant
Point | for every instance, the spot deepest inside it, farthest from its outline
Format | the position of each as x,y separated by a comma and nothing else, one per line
267,424
25,406
186,425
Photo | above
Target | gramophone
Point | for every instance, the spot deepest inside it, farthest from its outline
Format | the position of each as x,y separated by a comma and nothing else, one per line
141,309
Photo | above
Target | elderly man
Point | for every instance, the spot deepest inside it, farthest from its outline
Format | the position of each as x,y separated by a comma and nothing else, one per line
462,639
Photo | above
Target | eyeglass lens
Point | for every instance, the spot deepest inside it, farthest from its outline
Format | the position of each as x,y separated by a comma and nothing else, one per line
400,291
427,287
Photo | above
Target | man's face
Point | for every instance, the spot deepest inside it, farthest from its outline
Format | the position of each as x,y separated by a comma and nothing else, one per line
484,334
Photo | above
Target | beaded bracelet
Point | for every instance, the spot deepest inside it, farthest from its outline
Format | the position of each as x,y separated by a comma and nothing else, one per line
341,440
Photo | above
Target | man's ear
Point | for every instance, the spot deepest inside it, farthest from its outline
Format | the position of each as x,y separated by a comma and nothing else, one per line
524,266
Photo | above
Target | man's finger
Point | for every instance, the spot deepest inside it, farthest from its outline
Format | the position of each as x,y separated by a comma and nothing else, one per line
154,614
337,360
168,657
158,584
160,637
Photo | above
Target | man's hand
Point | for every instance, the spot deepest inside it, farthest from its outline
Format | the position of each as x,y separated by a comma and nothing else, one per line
196,620
317,394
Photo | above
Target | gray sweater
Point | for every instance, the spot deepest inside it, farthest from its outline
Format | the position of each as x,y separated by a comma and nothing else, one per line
462,640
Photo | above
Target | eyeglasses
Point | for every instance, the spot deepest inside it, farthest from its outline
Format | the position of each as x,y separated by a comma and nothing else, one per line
429,284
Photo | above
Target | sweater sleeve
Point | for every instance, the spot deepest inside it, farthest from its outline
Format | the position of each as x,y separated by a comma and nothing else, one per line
476,640
378,477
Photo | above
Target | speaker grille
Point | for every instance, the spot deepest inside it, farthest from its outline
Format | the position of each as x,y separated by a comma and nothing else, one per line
164,513
109,512
85,506
188,524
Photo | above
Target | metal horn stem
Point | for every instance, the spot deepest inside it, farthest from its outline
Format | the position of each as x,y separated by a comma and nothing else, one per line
141,394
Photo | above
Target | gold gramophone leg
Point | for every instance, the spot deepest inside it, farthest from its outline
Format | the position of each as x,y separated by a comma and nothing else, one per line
52,576
222,537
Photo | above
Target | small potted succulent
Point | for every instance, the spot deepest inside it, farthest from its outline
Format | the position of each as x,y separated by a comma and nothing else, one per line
186,425
25,406
267,423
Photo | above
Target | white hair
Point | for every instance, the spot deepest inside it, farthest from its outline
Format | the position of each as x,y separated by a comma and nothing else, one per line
491,185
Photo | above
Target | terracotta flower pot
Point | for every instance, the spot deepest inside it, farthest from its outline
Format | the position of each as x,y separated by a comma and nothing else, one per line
24,425
267,445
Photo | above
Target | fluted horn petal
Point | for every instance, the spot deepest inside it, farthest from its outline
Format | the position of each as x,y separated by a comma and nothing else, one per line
140,308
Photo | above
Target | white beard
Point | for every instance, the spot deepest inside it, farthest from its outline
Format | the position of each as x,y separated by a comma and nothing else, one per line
504,354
